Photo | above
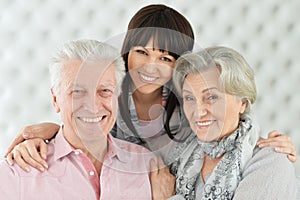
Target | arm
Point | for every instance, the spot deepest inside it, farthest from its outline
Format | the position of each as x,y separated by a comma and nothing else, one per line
282,144
32,152
268,175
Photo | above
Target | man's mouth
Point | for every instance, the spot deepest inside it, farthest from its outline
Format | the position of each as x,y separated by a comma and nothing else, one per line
92,119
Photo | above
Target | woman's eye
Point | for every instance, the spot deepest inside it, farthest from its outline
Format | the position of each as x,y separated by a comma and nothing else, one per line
166,59
212,97
141,51
188,98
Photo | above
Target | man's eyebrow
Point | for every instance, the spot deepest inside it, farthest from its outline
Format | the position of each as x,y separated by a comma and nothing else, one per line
107,84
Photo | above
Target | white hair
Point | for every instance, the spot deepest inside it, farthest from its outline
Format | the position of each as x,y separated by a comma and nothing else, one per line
236,78
84,49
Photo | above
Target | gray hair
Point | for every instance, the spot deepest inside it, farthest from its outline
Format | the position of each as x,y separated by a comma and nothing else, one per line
236,78
82,50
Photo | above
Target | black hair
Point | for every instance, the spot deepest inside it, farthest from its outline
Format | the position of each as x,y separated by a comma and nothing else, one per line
170,32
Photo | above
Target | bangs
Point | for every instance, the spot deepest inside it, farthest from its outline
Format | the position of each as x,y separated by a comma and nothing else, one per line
163,39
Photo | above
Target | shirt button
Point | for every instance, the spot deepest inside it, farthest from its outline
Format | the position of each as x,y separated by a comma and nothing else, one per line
92,173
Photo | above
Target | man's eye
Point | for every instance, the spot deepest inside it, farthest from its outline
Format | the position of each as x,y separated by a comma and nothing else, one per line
76,91
107,91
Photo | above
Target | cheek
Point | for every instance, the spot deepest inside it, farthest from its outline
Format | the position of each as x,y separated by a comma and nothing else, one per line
188,111
133,61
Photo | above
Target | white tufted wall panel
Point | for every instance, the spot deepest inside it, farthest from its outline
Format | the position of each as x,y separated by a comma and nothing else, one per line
266,32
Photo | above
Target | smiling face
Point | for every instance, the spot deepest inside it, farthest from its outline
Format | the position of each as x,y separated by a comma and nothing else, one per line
87,101
149,67
212,114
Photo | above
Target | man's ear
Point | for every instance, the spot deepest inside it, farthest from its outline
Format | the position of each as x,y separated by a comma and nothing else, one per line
54,101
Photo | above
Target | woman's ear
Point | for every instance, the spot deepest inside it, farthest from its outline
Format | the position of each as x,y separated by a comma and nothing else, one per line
243,106
54,101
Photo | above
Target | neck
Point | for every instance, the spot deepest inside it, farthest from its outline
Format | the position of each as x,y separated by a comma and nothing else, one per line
151,98
95,150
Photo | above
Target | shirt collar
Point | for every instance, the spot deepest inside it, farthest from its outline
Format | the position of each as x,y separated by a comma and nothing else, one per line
61,146
116,148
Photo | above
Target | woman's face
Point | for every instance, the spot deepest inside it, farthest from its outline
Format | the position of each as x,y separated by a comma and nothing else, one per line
212,114
149,67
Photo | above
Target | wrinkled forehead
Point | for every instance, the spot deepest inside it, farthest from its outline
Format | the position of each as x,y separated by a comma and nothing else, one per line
89,72
200,81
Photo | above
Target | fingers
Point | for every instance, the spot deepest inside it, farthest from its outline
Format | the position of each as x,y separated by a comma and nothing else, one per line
15,156
292,158
15,142
274,133
35,158
153,167
27,153
275,139
282,144
43,150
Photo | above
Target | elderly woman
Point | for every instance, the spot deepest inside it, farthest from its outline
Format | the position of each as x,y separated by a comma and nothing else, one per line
221,160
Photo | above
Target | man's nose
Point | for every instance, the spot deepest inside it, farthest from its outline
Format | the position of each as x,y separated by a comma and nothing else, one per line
93,103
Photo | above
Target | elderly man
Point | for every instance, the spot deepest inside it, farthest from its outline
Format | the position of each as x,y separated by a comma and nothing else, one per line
84,161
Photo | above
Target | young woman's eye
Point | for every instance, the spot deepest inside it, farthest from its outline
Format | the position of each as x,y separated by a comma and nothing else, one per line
166,59
141,51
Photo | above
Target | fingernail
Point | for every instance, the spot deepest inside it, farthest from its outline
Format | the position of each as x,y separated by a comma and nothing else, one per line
42,169
45,165
277,149
25,135
27,169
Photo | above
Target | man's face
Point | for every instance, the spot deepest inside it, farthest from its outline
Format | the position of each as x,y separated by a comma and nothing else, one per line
87,101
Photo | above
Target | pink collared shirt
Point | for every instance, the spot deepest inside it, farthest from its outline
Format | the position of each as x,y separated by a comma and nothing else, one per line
71,175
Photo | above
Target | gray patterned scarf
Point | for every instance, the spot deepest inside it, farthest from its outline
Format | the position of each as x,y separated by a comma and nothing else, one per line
223,181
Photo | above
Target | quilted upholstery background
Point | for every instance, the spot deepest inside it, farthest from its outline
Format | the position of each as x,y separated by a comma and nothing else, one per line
266,32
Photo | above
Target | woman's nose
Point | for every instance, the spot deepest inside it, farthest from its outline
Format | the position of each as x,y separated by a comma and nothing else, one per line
201,109
151,68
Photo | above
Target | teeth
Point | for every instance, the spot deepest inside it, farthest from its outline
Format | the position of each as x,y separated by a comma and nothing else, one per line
206,123
91,120
147,78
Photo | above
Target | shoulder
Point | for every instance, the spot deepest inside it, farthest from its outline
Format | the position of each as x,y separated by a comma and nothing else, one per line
129,147
267,175
266,158
133,157
9,181
8,170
